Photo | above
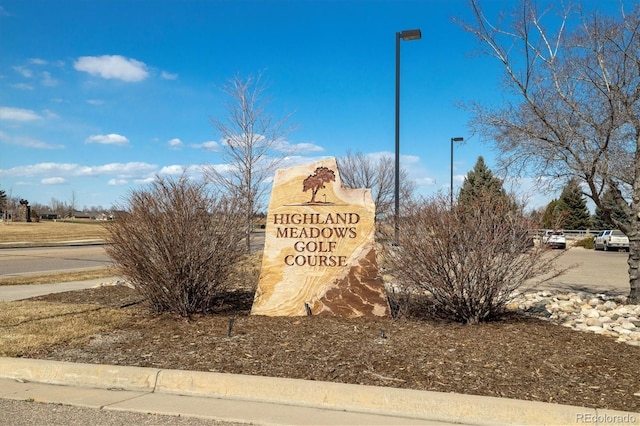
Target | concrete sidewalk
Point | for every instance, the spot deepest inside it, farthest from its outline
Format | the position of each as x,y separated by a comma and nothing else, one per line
273,401
19,292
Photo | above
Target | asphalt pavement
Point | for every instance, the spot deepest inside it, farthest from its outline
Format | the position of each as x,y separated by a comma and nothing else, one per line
16,261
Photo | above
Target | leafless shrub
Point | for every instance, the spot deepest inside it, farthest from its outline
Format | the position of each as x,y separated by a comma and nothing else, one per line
468,260
178,245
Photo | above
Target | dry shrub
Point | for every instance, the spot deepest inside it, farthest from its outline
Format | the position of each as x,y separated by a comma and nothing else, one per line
586,242
469,260
178,244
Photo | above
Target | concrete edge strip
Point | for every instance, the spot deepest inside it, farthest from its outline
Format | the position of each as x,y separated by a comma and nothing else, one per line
448,407
77,374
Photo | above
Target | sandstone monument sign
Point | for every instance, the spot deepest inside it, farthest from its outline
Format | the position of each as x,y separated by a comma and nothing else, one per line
319,255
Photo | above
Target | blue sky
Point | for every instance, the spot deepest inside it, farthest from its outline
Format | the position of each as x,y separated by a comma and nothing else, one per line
96,97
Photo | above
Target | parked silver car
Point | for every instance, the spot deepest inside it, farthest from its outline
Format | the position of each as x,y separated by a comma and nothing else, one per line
611,239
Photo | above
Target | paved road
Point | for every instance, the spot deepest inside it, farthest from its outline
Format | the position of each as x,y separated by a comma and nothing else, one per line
32,260
592,271
19,261
26,413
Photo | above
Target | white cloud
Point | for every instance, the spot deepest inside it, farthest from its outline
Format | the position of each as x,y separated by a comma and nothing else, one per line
23,71
306,148
50,114
299,148
95,101
425,181
22,86
110,139
112,67
47,80
122,170
117,182
175,170
211,146
18,114
175,143
119,170
27,142
169,76
409,159
38,61
144,181
53,181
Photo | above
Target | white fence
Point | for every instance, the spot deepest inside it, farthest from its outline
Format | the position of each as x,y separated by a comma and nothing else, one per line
571,234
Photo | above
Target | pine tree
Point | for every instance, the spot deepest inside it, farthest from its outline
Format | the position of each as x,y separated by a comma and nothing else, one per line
572,207
481,182
600,222
549,220
3,200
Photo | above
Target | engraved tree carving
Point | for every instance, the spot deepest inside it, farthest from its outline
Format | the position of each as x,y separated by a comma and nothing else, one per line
316,181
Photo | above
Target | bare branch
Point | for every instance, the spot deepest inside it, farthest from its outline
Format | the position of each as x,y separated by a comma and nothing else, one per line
250,139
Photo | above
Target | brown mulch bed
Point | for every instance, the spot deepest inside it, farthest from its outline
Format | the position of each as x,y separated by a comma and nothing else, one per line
517,357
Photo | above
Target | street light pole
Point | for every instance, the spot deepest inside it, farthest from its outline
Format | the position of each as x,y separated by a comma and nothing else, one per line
459,139
406,36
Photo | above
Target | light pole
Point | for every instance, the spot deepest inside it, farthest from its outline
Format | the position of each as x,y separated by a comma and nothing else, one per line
406,36
458,139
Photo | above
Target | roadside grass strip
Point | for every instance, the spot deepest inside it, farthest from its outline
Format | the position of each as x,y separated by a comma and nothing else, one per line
61,277
29,326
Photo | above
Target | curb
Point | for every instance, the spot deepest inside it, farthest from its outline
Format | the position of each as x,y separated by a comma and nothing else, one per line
72,243
427,405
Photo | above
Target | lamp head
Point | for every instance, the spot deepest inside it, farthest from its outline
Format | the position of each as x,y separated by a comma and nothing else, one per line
411,35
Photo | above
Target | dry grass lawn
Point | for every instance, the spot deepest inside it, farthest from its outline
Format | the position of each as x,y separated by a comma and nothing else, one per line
59,277
47,231
31,326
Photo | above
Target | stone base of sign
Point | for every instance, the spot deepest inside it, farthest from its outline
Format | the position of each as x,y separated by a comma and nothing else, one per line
319,255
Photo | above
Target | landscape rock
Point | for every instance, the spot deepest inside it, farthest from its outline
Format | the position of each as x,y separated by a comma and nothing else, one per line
602,314
320,253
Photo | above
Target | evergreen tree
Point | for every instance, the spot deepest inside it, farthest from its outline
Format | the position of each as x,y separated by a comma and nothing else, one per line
481,182
3,200
572,207
600,222
549,219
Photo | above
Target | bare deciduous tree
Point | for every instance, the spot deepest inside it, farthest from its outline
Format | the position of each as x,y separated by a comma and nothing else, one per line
252,145
471,258
178,244
358,170
576,80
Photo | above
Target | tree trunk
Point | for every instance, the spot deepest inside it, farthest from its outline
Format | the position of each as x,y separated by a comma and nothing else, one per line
634,268
248,236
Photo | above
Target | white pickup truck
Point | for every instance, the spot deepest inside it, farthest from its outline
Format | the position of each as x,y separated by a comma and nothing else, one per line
611,239
554,239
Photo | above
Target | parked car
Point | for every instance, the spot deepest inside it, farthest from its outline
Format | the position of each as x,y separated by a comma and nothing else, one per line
554,239
611,239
